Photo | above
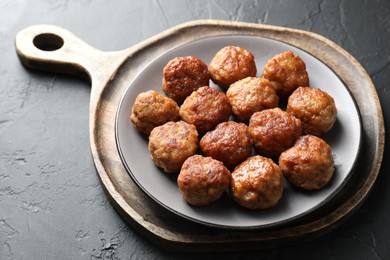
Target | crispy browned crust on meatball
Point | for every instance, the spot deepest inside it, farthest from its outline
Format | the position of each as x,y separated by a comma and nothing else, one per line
309,163
257,183
250,95
206,108
171,144
315,108
229,143
230,64
183,75
202,180
152,109
274,131
286,71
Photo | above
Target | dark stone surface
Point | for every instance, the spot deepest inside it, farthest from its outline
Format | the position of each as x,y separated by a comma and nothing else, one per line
52,205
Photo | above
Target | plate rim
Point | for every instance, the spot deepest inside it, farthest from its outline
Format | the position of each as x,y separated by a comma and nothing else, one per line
267,226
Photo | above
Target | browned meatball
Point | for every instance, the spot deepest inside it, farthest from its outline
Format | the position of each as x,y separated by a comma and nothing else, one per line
202,180
182,76
274,131
171,144
230,64
315,108
152,109
206,108
309,163
286,71
257,183
229,143
250,95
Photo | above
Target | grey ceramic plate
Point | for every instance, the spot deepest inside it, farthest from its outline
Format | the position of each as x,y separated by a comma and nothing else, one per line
344,139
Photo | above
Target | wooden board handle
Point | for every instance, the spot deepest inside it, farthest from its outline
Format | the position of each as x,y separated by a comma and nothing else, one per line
54,49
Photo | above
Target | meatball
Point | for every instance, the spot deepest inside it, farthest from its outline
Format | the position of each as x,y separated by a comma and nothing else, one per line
257,183
230,64
229,143
308,164
274,131
206,108
250,95
202,180
152,109
171,144
315,108
182,76
287,72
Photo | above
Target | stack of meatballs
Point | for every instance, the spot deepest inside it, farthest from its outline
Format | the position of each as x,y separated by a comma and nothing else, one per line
236,138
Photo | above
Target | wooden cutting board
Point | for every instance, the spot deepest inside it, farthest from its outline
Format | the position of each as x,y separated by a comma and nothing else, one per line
54,49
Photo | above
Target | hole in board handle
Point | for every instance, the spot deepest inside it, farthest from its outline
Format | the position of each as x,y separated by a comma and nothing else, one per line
48,42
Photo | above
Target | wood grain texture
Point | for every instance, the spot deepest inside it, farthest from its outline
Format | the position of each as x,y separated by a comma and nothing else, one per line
110,74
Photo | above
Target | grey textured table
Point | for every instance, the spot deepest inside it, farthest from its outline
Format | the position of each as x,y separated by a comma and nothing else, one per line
52,205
